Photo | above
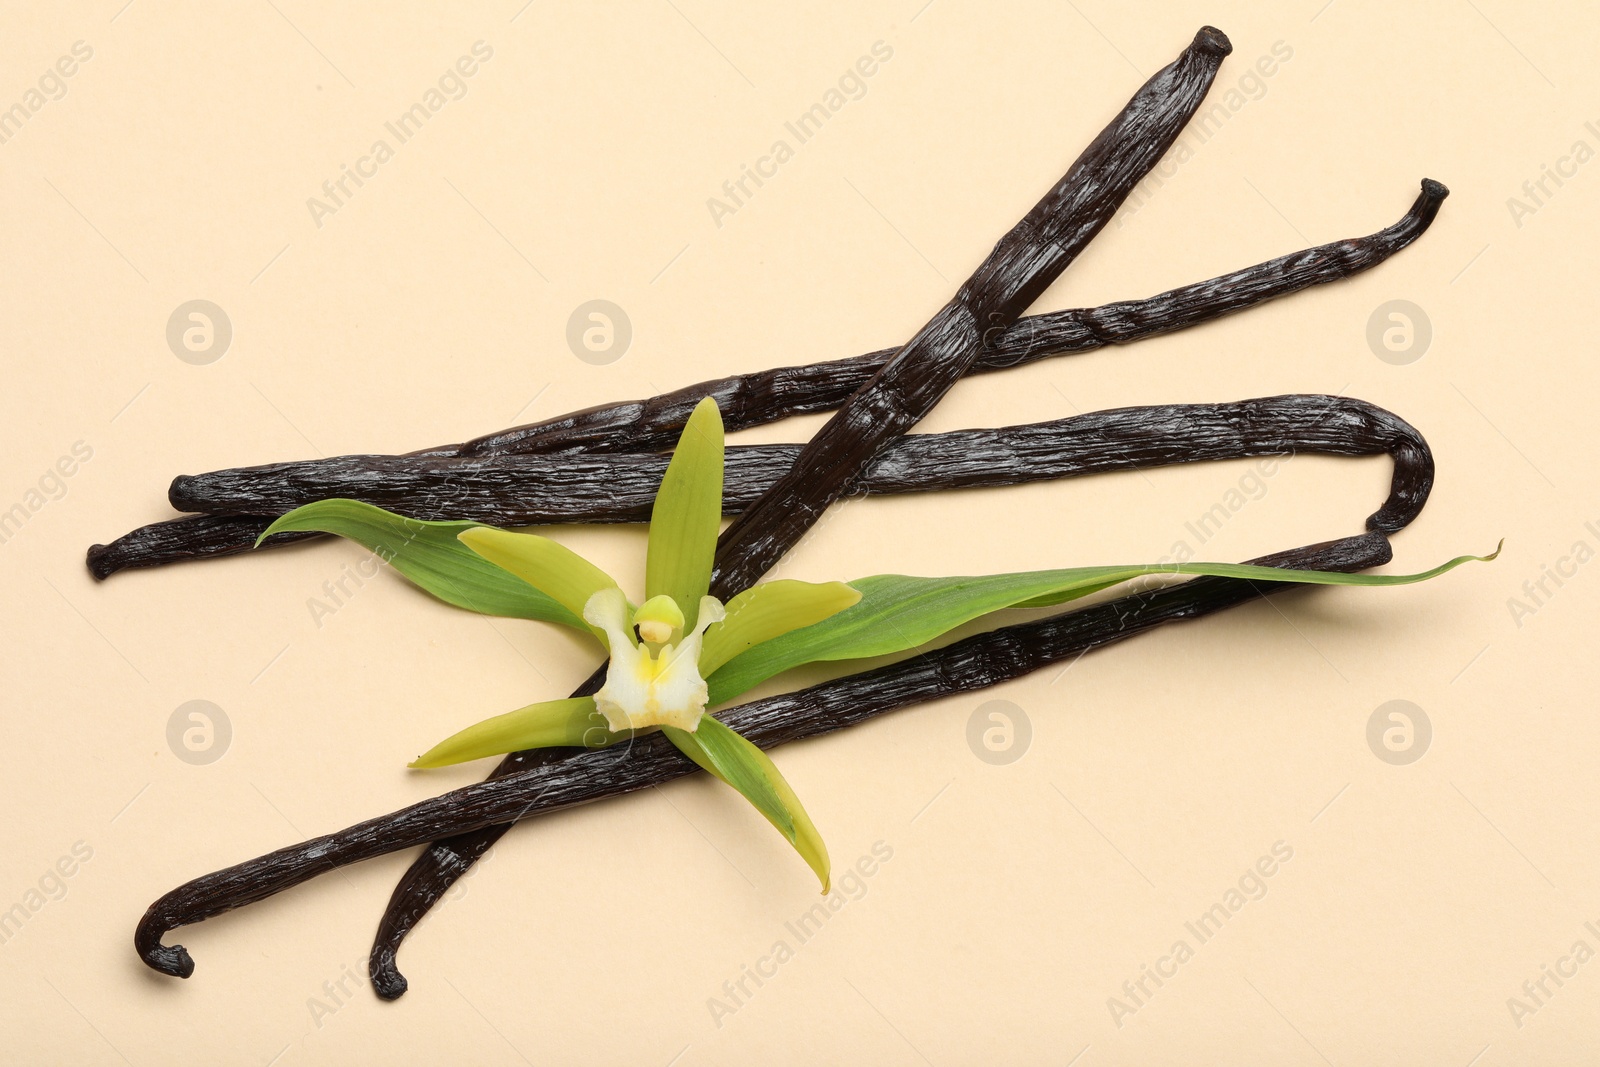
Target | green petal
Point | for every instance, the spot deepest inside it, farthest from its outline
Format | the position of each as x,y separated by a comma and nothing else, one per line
574,722
546,565
728,756
429,554
896,612
771,610
687,515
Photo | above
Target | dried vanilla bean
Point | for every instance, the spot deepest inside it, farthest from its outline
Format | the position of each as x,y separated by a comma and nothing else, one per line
1022,265
1133,437
907,386
974,663
762,397
533,490
766,396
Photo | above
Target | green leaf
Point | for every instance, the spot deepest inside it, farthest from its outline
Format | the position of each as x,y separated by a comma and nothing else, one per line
574,722
896,612
725,754
687,514
429,554
546,565
771,610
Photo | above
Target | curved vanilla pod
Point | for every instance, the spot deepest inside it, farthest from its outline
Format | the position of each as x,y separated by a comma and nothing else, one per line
974,663
1148,437
1023,263
603,488
766,396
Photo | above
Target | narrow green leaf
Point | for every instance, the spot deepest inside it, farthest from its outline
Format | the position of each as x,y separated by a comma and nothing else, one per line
575,722
546,565
770,610
897,612
428,554
687,515
727,755
715,754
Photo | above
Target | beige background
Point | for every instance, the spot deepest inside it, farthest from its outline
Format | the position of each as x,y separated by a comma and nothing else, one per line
432,306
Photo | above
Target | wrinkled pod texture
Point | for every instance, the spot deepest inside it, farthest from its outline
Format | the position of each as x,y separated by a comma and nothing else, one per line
766,396
1022,264
974,663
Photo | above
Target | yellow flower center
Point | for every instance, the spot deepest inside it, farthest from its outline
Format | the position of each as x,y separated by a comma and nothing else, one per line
654,683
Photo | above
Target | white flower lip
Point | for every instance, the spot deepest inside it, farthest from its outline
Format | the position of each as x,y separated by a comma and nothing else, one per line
642,688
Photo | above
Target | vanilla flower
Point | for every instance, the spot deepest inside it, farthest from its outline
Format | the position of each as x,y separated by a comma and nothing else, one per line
662,651
651,681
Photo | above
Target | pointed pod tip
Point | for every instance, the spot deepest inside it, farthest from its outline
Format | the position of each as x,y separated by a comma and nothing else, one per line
1213,41
99,562
173,960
